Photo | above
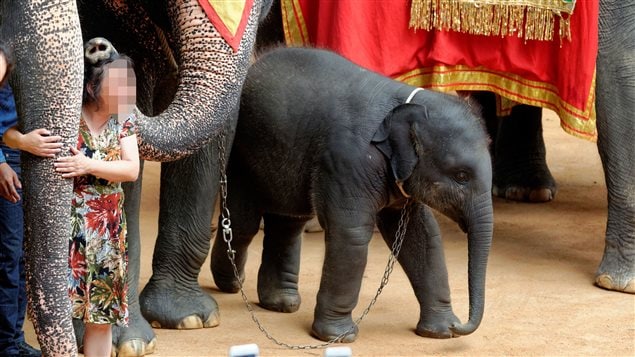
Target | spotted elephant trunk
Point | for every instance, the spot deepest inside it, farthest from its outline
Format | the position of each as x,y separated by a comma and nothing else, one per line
211,77
47,83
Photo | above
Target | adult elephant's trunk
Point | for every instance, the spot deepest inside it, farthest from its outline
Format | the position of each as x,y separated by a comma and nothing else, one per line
211,75
46,41
480,230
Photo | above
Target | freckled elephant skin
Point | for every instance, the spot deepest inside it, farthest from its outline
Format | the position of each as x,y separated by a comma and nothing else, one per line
171,41
46,102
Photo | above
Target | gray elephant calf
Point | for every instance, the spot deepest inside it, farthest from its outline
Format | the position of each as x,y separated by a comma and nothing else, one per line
320,135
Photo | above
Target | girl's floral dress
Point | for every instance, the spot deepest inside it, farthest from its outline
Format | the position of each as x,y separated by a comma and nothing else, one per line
98,255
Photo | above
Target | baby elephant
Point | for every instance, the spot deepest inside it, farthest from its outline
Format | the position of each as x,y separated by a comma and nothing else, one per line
320,135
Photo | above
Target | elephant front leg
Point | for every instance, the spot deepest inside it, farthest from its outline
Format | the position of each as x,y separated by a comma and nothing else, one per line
278,273
615,104
173,298
423,261
344,264
519,155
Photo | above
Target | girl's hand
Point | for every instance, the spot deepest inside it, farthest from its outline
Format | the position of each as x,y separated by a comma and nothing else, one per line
71,166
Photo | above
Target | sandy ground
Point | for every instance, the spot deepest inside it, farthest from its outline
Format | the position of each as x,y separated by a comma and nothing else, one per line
540,297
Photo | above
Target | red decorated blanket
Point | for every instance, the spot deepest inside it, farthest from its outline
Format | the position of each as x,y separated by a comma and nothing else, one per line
555,72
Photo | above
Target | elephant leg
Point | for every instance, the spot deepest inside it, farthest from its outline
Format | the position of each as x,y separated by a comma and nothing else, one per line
519,154
278,274
615,104
346,254
173,298
423,261
245,219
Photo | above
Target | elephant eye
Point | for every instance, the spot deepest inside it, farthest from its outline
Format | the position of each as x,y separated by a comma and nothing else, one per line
461,177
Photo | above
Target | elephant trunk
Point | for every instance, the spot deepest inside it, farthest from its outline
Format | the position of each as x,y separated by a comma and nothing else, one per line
211,75
46,41
480,230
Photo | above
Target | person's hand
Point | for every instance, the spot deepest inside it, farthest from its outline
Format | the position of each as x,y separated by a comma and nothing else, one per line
9,183
71,166
39,142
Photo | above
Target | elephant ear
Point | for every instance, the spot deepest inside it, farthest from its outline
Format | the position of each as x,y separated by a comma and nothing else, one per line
380,139
395,139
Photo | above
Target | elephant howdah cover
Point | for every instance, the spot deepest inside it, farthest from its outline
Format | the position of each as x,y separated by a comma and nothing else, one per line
522,65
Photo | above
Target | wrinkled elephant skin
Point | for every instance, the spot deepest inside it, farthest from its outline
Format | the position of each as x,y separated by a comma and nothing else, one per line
351,151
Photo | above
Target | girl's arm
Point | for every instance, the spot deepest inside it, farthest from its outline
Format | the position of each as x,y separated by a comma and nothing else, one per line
37,142
126,169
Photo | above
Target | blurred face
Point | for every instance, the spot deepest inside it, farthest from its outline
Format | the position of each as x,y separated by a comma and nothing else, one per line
119,88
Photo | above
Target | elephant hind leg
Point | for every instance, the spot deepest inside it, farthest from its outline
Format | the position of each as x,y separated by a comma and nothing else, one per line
518,151
278,273
246,223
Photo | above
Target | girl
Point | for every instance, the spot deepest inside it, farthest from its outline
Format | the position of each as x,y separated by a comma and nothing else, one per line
106,155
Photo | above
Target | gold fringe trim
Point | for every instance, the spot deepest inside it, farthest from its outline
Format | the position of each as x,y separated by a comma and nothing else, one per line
528,19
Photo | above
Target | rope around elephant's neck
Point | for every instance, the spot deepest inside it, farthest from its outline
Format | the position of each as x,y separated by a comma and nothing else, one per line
231,254
412,94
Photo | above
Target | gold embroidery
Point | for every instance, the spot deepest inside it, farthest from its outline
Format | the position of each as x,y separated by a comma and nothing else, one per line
513,89
528,19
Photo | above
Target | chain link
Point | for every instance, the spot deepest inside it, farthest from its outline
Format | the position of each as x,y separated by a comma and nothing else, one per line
231,254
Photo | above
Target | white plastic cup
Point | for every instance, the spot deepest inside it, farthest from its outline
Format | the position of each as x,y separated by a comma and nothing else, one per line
340,351
249,350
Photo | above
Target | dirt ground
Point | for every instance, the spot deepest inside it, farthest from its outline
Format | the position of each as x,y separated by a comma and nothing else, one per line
540,298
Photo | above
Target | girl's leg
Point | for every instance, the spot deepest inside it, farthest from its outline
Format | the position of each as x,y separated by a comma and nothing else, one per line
97,340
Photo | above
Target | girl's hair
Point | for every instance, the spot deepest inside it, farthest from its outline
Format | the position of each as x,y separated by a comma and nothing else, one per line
94,75
9,59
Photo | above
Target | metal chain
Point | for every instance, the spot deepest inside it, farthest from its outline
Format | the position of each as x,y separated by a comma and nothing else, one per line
231,254
225,216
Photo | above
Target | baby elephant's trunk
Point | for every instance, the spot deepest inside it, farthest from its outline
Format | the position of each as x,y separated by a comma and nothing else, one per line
480,230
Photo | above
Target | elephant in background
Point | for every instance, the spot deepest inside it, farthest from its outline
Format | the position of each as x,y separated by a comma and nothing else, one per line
189,80
520,170
350,151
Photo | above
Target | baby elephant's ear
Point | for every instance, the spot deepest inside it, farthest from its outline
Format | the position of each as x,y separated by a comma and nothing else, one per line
380,139
396,137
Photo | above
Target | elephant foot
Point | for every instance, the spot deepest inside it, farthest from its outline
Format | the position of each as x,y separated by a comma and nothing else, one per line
286,300
328,330
135,347
182,308
437,325
137,339
531,183
226,283
616,274
607,282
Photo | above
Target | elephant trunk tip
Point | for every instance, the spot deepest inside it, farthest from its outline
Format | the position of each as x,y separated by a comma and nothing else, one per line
464,329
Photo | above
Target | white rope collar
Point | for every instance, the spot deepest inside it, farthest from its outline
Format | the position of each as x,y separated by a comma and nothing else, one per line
412,94
399,183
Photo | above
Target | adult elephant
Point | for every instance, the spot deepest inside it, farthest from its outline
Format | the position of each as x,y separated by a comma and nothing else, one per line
520,170
191,72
